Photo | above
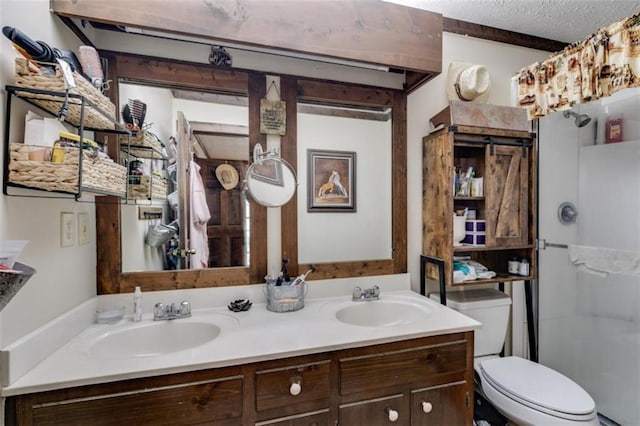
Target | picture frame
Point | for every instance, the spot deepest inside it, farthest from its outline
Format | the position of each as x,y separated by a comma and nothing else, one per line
331,181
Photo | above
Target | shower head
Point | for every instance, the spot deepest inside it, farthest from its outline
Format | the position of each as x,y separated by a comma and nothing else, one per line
581,119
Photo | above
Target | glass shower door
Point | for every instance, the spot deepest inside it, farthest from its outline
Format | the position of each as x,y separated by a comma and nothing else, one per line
589,317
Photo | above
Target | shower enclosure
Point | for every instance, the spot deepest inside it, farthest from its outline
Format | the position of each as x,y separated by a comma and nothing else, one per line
589,320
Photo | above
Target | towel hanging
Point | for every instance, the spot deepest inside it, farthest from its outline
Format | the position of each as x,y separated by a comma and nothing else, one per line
604,261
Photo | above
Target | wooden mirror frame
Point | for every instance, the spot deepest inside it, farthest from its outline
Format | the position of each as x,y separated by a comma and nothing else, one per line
163,72
294,90
190,76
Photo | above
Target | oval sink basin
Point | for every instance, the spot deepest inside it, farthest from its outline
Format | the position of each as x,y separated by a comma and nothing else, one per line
158,338
380,313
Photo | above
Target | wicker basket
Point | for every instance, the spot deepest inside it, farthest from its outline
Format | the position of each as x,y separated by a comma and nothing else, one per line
98,173
147,188
144,140
104,118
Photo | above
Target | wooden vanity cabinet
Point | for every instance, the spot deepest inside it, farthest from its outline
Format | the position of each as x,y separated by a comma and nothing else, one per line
378,379
505,159
372,385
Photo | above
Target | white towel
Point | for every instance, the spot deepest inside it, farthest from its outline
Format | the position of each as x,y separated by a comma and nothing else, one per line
604,261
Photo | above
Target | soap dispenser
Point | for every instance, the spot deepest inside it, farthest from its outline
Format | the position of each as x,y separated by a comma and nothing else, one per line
137,304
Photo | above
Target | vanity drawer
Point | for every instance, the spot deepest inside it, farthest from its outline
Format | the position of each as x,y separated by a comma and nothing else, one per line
424,365
292,389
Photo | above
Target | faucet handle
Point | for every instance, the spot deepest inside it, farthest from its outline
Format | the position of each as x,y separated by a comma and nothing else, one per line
159,310
185,308
375,291
357,293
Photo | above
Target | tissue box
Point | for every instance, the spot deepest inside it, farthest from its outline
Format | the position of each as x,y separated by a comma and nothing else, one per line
474,238
474,226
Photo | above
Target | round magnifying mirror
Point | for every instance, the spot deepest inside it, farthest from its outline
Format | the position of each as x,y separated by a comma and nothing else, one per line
271,181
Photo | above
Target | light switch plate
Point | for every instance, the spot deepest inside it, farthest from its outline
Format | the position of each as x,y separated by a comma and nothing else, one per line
83,228
67,229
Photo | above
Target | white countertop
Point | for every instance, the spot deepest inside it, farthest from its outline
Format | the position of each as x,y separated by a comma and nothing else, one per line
245,337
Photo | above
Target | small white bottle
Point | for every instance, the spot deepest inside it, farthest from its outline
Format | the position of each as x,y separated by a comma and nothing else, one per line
137,304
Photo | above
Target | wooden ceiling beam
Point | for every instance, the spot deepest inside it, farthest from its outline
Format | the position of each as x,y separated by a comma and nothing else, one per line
503,36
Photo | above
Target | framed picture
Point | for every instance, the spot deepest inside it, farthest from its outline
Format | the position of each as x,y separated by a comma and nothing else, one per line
331,181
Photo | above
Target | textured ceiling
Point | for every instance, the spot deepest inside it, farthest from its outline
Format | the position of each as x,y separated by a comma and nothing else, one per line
560,20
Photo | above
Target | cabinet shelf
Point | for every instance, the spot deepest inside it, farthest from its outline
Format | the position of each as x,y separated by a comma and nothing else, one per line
76,170
499,278
461,198
469,248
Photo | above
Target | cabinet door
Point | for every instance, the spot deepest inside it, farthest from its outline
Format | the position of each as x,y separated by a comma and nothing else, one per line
379,412
443,405
506,196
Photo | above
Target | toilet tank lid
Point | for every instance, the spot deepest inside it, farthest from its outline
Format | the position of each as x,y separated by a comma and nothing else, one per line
474,299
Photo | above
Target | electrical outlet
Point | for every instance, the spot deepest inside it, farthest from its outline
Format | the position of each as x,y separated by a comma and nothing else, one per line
83,228
67,229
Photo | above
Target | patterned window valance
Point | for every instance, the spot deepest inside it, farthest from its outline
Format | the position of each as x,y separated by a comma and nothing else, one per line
599,66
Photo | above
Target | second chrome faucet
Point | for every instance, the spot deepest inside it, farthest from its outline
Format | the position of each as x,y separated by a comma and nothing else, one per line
360,295
170,312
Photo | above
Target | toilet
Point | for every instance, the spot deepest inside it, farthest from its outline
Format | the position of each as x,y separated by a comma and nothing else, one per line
525,392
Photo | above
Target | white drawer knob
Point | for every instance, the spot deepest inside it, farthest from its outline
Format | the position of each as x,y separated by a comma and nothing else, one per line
295,388
393,415
427,407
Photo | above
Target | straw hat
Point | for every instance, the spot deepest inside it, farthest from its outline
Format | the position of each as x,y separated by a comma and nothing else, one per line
227,176
468,82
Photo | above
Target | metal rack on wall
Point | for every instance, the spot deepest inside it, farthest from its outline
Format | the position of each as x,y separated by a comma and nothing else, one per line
41,99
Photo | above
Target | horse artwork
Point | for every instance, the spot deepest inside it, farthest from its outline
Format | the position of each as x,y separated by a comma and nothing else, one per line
333,187
331,181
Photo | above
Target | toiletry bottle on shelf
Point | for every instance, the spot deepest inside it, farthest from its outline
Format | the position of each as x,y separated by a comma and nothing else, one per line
137,304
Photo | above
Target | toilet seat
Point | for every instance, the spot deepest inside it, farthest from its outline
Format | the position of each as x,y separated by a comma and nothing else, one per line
538,388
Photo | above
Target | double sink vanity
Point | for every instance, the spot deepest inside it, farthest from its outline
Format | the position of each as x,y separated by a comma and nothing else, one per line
401,359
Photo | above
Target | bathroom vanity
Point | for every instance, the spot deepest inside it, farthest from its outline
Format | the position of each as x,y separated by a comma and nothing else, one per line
417,381
299,368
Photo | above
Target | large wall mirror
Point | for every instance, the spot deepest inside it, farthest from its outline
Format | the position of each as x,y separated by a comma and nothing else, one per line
340,126
369,122
211,114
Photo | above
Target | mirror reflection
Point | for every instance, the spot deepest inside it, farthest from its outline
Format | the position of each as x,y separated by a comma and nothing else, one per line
357,234
203,146
271,181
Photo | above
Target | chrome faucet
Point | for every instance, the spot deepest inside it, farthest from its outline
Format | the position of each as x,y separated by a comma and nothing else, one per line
360,295
170,312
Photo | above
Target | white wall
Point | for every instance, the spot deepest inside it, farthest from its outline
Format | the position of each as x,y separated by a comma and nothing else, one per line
65,276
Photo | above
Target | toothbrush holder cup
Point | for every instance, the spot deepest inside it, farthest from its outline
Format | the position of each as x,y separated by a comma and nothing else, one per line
285,298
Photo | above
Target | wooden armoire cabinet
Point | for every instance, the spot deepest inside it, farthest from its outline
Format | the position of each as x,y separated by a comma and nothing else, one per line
505,159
